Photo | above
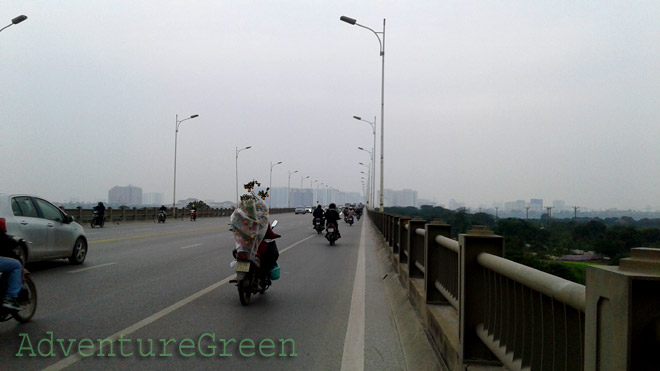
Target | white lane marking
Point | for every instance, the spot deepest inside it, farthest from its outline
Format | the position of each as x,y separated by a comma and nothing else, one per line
70,360
92,267
353,357
195,245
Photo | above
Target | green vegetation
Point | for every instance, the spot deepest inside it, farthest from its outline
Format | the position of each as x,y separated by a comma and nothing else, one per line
538,242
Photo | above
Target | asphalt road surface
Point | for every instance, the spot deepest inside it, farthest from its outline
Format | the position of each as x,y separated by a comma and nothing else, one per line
156,297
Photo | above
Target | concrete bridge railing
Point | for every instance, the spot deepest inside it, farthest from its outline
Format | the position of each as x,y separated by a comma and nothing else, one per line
480,308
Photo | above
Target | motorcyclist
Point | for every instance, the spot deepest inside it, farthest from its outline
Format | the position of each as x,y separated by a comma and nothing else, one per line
267,254
318,213
163,210
332,216
193,211
101,209
13,269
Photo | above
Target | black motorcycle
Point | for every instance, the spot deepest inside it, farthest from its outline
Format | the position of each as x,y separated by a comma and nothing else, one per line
350,220
249,277
27,298
318,225
331,233
162,215
97,219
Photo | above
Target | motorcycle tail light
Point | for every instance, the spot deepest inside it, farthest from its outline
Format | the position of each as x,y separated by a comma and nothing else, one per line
2,225
242,255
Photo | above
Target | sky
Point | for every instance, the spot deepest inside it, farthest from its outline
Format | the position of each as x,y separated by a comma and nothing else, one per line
484,101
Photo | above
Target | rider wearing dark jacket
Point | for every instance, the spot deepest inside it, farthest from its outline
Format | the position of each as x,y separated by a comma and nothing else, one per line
318,213
100,208
332,216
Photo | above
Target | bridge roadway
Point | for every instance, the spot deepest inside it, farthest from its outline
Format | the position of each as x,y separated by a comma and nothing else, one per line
159,284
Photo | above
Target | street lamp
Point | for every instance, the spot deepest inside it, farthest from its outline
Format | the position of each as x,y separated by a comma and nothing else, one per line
14,21
382,97
237,152
302,197
176,132
270,183
312,188
369,197
288,192
372,183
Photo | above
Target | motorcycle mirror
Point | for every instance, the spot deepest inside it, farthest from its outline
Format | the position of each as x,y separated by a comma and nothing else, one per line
273,224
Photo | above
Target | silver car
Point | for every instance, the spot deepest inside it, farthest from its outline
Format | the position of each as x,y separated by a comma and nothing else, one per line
48,232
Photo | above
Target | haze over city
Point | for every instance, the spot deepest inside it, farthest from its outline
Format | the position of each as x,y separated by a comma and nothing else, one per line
484,102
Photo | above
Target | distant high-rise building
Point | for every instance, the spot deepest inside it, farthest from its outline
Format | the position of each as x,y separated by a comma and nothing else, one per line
152,198
129,195
558,205
455,205
536,204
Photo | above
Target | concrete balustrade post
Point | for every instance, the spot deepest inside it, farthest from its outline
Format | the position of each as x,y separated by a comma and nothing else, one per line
415,248
394,239
390,229
622,317
473,292
403,239
386,226
432,260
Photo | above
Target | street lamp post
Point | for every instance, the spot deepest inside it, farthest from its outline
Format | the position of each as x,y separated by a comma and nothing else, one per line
302,197
237,152
311,186
372,184
369,179
176,133
372,154
288,192
270,183
14,21
382,98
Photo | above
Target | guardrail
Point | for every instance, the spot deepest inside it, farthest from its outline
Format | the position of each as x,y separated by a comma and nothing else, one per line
481,308
151,213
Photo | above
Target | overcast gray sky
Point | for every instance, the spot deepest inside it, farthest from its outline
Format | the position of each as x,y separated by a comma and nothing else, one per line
484,101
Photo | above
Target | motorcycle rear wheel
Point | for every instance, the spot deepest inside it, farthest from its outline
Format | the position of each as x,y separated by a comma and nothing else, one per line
30,302
245,289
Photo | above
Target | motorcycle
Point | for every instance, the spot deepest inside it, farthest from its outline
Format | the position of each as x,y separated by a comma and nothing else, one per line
318,225
331,233
350,220
27,298
97,219
162,215
248,263
193,215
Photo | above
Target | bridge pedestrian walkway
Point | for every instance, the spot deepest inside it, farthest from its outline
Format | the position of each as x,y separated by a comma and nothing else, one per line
391,321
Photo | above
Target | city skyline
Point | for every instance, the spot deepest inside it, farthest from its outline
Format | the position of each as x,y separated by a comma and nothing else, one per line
484,102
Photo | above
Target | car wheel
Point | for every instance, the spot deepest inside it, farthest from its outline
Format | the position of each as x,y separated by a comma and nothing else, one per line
79,251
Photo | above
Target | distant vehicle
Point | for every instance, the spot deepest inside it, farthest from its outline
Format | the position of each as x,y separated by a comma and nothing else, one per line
301,210
309,209
49,232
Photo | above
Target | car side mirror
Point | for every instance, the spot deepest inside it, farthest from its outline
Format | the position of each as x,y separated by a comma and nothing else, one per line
68,219
273,224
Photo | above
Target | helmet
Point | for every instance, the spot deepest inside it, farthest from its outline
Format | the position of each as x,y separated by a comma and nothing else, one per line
333,206
319,207
100,203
